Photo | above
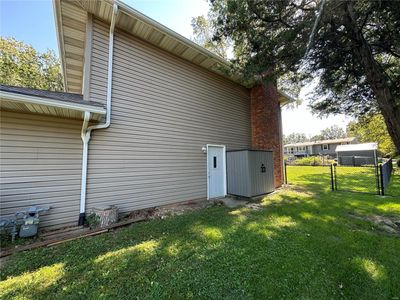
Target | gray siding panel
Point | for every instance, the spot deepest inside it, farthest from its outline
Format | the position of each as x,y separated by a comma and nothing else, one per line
40,164
164,110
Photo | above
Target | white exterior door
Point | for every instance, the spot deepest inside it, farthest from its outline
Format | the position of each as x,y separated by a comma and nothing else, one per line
216,171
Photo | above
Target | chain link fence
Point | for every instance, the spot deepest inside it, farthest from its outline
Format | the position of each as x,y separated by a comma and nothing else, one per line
380,179
359,179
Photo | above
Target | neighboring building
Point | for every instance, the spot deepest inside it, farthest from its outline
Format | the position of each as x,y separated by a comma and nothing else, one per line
145,121
325,147
357,154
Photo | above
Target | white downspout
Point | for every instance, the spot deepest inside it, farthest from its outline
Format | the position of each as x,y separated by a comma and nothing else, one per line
86,131
85,139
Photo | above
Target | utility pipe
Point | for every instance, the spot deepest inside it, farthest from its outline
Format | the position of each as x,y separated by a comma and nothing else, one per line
86,131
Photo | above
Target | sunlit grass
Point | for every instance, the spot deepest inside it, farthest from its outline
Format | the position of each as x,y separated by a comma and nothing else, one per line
208,232
143,250
394,185
373,269
300,243
31,283
390,207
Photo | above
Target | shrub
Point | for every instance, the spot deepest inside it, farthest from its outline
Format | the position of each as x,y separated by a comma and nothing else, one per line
93,220
309,161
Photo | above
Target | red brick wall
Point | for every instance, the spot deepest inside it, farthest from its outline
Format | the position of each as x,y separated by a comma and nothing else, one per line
266,125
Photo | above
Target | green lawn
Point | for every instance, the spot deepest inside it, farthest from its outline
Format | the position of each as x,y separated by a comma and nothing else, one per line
354,179
304,242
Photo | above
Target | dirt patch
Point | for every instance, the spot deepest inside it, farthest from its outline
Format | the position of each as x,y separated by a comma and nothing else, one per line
254,206
177,209
170,210
388,224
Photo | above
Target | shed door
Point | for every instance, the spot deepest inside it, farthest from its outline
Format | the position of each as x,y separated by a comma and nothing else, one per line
216,170
261,172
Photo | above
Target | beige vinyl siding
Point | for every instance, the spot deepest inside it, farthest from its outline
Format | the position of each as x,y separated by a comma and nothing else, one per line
164,111
40,165
99,60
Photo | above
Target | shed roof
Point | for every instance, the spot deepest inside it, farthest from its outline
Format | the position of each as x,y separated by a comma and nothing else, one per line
357,147
60,104
71,18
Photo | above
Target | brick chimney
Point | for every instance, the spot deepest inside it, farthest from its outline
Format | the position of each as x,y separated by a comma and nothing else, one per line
266,125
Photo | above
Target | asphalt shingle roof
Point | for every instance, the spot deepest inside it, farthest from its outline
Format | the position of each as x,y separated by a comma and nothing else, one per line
61,96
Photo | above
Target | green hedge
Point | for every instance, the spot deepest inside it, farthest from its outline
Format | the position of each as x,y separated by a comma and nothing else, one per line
309,161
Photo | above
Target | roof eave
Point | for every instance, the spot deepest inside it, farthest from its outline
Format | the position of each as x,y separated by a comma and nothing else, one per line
26,99
284,98
217,63
137,14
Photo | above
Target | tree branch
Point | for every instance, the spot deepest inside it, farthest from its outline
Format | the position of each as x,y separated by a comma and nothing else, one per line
387,49
364,22
254,10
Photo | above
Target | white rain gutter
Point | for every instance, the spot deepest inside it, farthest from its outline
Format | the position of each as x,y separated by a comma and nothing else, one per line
86,131
21,98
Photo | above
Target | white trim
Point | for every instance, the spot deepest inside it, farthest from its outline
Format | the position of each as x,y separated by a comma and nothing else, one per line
9,96
60,39
87,57
129,10
224,167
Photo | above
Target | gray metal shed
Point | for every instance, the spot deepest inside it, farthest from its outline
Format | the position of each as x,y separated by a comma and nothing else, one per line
250,172
357,154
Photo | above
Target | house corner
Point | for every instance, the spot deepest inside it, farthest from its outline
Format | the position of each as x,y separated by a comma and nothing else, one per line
266,125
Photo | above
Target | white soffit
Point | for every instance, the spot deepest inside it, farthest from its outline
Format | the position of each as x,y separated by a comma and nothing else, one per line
71,16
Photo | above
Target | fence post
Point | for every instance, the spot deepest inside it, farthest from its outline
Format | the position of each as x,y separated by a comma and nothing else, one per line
284,163
378,179
332,184
335,175
381,180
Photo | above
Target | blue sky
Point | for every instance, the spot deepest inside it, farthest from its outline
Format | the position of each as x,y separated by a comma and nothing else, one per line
29,21
32,21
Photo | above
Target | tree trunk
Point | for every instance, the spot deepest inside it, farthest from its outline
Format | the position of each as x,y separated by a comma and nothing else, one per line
375,75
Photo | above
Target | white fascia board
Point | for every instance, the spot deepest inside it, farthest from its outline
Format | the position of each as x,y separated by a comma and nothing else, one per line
169,32
51,102
60,38
288,98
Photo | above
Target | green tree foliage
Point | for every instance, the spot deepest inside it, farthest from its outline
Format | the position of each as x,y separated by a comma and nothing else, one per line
22,65
373,129
330,133
294,138
203,32
354,50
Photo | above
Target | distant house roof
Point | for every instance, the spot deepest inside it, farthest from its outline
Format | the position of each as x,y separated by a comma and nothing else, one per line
28,100
322,142
357,147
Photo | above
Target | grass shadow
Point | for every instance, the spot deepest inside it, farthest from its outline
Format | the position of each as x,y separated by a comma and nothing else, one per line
301,243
